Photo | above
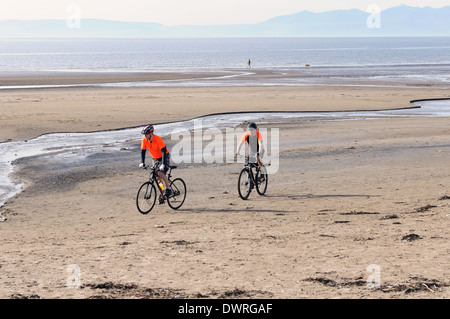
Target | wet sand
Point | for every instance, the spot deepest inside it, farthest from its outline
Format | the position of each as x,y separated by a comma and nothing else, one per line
347,195
31,112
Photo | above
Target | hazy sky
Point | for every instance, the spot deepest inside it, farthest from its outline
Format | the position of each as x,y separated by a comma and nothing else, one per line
194,12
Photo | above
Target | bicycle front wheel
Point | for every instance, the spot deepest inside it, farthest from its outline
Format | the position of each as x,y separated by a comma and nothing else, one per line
176,199
262,180
146,197
244,184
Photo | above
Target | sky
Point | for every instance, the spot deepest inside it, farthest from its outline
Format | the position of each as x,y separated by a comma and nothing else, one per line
187,12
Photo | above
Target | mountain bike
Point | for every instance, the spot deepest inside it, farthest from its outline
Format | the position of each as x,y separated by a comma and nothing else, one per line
248,180
146,196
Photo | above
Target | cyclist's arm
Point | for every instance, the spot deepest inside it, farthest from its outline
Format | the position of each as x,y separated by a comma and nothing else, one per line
261,146
164,153
143,156
238,149
260,142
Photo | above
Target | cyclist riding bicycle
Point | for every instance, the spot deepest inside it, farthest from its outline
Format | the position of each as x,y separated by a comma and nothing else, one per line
160,154
254,139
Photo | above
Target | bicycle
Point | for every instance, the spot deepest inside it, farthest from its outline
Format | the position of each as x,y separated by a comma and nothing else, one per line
146,196
248,180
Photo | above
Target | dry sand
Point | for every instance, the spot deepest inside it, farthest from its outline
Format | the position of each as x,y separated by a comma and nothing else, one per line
347,195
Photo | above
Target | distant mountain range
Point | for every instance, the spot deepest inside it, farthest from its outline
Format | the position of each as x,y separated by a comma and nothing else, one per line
397,21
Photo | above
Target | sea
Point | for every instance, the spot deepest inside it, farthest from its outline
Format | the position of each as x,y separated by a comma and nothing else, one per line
316,60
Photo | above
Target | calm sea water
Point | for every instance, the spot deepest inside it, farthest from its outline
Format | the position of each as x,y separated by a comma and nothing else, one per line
329,58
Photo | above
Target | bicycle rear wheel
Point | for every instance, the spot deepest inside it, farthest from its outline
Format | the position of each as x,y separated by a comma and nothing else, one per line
176,199
262,179
244,184
146,197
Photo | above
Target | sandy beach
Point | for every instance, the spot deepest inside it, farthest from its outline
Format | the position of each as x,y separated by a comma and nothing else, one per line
351,200
31,112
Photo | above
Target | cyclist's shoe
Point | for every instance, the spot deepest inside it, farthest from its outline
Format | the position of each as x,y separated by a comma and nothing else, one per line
168,192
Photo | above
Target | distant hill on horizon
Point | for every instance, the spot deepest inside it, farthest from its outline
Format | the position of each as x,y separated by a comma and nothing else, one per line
397,21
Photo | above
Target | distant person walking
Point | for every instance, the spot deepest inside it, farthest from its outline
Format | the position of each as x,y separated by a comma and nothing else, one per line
249,64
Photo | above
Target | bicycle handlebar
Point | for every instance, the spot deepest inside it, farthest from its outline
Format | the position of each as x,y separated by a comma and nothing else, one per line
148,166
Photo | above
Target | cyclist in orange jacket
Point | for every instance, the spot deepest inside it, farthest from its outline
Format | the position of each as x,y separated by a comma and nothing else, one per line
254,140
159,152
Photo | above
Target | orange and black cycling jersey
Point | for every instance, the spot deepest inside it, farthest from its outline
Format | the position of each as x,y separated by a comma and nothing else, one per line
154,146
252,141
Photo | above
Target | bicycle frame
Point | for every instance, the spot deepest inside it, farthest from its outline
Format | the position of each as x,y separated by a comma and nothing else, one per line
249,179
249,167
153,177
147,196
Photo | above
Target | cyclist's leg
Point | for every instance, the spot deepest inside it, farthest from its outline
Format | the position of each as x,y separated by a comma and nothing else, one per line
164,178
163,174
259,158
160,177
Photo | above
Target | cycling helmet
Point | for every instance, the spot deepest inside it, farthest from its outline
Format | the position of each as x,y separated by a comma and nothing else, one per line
147,129
252,125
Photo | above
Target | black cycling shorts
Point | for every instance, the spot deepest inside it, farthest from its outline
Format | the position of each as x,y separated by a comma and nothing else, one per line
252,156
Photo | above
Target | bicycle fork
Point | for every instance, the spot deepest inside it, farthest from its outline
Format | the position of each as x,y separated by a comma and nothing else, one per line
250,178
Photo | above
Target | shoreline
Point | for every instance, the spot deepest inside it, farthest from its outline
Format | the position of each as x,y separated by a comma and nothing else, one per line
89,77
247,112
32,80
28,113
